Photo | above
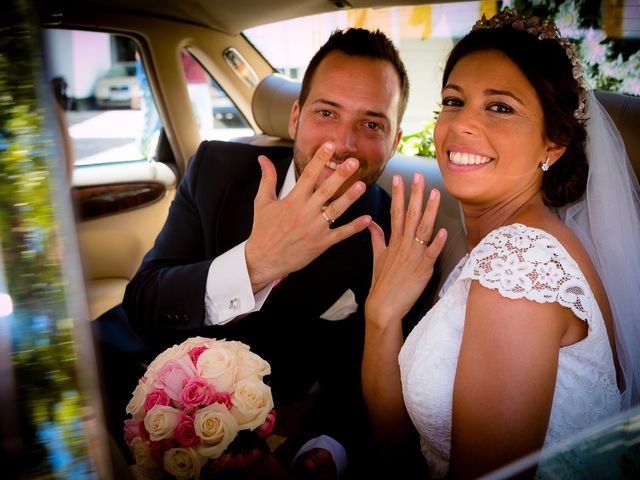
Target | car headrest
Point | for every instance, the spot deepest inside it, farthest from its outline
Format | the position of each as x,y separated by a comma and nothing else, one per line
271,104
624,110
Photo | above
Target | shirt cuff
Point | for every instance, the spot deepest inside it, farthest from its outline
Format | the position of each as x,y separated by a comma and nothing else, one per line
228,291
337,451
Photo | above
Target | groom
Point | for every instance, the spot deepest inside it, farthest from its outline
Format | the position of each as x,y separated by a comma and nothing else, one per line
270,246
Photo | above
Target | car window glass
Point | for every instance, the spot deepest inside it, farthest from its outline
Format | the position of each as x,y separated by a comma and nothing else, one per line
101,82
608,41
216,115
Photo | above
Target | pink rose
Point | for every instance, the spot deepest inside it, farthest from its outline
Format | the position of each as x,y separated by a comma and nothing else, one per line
156,397
185,432
196,392
194,353
266,428
132,430
143,431
173,375
159,448
224,398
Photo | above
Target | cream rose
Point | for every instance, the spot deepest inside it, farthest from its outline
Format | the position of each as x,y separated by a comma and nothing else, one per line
216,427
251,364
135,407
161,421
218,366
183,463
142,454
235,346
252,401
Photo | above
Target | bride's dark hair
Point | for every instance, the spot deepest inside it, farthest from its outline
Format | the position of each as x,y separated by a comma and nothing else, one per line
549,70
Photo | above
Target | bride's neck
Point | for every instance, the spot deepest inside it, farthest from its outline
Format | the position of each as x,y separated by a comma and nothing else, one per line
481,220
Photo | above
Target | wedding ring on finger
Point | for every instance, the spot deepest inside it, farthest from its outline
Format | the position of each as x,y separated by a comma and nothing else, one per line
326,216
422,242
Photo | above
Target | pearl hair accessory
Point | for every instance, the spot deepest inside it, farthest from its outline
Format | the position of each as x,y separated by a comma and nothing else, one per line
542,29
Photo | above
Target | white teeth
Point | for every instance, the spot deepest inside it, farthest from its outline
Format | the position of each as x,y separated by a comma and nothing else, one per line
460,158
331,165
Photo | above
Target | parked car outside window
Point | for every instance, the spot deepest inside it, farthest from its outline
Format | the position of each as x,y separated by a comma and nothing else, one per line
119,87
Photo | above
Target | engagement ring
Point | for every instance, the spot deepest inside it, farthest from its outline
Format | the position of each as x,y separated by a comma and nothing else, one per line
422,242
327,217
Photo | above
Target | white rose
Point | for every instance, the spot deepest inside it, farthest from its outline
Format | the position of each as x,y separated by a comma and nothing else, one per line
183,463
250,364
218,366
252,401
161,422
142,454
235,346
216,427
135,407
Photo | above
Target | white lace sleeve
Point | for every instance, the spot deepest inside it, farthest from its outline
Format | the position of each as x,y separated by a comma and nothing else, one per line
525,262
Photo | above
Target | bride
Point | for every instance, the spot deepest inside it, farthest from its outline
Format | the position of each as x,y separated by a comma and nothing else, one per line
520,350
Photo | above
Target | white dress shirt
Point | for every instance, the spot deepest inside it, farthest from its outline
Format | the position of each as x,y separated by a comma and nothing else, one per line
229,293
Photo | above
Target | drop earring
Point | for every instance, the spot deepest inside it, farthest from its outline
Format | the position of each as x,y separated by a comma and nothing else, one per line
545,165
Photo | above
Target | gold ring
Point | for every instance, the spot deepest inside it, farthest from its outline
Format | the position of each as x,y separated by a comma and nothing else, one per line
327,217
422,242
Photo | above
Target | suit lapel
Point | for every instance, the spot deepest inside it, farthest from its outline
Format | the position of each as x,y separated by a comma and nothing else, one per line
235,220
317,286
320,284
346,265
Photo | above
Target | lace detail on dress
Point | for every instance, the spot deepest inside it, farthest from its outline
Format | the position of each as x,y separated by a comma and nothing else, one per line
520,262
526,262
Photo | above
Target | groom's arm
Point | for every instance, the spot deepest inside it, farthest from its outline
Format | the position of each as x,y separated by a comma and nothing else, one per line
168,292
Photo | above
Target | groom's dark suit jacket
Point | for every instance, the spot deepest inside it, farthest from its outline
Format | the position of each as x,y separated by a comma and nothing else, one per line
213,212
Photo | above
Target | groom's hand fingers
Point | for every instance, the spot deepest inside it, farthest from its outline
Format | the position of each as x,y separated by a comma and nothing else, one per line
327,189
267,188
309,176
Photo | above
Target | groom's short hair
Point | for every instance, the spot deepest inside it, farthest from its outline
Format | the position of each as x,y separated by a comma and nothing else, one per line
361,43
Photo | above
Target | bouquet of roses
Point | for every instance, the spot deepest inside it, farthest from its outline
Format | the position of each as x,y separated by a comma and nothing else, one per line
201,406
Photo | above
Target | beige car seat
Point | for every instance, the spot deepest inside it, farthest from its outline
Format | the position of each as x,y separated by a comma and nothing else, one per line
274,97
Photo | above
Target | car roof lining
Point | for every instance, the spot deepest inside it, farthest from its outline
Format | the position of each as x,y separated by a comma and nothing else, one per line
217,14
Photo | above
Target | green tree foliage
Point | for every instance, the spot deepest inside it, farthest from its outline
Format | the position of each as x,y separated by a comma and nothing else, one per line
43,353
611,64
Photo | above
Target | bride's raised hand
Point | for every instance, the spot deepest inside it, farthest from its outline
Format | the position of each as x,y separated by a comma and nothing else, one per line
402,270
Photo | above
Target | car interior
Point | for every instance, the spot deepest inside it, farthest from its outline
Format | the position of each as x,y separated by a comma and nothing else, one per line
121,206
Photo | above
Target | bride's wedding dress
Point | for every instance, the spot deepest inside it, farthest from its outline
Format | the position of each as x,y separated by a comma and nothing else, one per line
519,262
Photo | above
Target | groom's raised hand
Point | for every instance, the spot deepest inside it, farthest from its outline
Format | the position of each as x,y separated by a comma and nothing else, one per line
288,234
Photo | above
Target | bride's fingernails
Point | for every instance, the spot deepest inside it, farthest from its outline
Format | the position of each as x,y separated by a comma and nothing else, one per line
327,147
433,194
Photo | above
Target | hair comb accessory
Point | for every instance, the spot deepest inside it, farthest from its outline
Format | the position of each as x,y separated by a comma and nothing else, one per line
542,29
